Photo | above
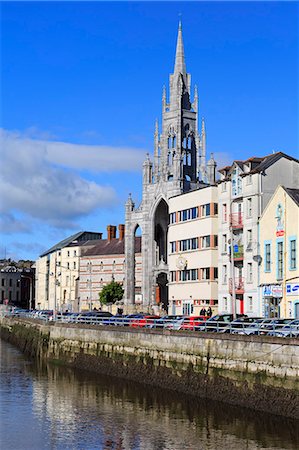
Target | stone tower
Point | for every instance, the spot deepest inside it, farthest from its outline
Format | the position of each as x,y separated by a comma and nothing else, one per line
179,165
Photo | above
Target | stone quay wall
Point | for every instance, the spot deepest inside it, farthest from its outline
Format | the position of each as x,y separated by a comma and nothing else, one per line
258,372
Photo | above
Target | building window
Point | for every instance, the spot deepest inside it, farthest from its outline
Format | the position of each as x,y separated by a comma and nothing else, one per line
172,247
68,265
194,274
267,257
224,274
249,239
194,243
224,186
279,260
74,264
215,209
224,243
68,253
194,213
3,282
225,304
293,256
67,280
249,207
205,273
215,273
173,275
215,240
224,212
206,210
249,179
10,282
75,252
249,272
172,217
250,304
206,241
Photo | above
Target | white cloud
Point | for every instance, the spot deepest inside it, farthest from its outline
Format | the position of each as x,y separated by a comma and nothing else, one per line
95,158
38,179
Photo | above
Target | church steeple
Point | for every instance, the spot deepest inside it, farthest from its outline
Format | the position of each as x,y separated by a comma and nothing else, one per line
180,65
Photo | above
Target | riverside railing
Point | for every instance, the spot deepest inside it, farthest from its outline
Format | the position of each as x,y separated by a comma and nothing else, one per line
288,328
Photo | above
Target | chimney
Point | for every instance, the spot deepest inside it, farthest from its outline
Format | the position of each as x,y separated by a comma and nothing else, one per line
121,231
111,232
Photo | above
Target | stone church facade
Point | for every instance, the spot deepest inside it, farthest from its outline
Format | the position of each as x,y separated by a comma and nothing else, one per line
178,166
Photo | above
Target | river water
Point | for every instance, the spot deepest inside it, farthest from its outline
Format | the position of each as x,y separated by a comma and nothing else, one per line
59,408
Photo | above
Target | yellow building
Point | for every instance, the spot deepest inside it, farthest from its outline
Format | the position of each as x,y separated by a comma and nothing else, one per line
279,266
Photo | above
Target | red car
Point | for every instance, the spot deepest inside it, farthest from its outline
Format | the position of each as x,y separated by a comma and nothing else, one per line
144,321
191,323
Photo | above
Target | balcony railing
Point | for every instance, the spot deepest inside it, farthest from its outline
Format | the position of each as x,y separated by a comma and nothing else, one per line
236,220
239,285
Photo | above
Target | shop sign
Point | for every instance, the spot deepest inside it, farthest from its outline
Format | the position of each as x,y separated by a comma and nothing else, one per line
272,290
292,288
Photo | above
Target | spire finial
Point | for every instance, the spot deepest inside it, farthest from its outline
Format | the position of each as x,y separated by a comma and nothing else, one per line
180,66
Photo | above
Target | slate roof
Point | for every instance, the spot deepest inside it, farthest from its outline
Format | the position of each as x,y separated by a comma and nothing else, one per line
263,162
113,247
78,237
294,194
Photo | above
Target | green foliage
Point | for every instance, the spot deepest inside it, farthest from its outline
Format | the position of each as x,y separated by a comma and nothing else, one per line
111,293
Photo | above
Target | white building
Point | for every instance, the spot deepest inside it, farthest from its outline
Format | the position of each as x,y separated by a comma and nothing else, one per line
105,262
57,273
193,251
244,190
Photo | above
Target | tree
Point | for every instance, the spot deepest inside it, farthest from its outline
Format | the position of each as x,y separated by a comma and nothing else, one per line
111,293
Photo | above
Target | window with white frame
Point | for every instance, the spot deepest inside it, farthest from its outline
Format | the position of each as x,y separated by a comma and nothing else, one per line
224,243
250,303
293,257
206,210
206,241
249,179
249,207
172,247
224,274
249,239
172,217
173,276
249,272
205,273
75,252
225,304
74,265
224,186
224,212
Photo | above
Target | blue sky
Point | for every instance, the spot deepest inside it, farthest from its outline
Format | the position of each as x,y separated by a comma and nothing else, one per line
81,88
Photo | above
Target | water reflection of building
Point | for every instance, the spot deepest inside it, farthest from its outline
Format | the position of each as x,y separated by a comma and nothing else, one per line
92,411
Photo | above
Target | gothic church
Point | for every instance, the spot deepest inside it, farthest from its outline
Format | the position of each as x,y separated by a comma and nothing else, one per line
179,165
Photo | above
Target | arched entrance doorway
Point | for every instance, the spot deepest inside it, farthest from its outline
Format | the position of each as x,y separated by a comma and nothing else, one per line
161,221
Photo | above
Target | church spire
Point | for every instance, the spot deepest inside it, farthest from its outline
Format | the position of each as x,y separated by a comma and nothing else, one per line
180,66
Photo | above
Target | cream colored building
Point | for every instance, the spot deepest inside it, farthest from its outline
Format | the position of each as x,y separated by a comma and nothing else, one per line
103,263
193,251
279,269
57,273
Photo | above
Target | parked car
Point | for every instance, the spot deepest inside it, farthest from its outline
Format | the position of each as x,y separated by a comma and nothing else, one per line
272,324
193,322
144,321
93,317
291,329
126,320
162,322
218,322
239,324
